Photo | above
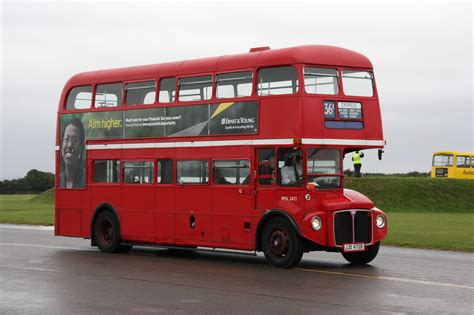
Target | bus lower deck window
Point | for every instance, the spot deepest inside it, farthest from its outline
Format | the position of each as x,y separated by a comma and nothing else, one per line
138,172
106,171
236,172
165,171
192,172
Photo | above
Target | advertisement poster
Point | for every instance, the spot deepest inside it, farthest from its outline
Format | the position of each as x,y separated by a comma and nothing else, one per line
194,120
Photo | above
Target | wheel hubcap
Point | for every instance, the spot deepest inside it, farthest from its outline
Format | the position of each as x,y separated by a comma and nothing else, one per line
279,242
106,232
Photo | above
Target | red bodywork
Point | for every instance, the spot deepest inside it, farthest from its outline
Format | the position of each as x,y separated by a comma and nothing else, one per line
226,216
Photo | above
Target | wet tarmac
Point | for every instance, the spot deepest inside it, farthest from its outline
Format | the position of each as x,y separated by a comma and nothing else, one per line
40,273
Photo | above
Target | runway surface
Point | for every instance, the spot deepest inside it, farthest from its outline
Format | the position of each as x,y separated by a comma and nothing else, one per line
40,273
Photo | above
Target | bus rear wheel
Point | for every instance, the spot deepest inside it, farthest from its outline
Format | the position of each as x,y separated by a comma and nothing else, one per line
281,244
106,232
362,258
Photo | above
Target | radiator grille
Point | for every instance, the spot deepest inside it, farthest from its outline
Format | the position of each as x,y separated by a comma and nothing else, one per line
352,229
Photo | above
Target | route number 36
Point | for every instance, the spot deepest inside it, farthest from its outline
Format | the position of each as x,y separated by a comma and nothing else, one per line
329,109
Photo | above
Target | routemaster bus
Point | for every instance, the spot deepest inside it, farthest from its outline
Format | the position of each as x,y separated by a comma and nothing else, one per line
448,164
238,152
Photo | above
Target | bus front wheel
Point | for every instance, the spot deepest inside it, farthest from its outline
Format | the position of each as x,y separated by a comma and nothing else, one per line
362,258
281,244
106,232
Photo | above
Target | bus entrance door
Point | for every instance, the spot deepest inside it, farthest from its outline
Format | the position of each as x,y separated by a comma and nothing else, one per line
265,191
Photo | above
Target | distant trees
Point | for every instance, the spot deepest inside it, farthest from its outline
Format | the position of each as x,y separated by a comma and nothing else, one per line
34,182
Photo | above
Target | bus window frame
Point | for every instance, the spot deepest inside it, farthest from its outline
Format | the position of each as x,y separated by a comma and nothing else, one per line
462,166
92,182
211,179
173,178
339,80
298,69
340,175
201,101
122,172
371,71
158,87
79,110
444,154
252,92
126,106
105,108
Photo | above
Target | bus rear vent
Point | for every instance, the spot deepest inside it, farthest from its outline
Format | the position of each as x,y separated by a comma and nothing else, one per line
255,49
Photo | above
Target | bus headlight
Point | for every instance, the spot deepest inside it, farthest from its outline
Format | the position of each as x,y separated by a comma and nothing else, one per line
316,223
380,221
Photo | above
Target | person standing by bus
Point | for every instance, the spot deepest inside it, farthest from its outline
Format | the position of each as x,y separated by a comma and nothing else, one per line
357,160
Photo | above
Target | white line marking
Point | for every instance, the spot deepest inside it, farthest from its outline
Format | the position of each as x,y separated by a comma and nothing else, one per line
27,227
46,246
388,278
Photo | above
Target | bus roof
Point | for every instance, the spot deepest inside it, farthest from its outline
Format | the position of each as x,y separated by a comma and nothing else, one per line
310,54
452,153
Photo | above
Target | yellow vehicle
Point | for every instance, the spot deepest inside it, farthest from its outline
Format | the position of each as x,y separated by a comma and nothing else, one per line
453,165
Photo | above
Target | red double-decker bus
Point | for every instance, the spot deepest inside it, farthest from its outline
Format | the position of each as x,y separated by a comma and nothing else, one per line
240,152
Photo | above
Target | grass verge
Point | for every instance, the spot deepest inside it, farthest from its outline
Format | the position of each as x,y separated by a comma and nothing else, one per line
450,231
24,209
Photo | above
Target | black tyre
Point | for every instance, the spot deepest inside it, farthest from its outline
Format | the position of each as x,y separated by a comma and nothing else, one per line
107,233
281,244
125,248
362,258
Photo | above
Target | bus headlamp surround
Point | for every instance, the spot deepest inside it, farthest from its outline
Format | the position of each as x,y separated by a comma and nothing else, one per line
380,221
316,223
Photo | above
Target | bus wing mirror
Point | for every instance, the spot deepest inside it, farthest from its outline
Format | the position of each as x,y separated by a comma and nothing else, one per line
380,154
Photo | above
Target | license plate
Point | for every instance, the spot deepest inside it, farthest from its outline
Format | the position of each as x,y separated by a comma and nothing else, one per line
356,247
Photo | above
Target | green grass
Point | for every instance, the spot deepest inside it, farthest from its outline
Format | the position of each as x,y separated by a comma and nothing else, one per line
416,194
422,212
27,209
451,231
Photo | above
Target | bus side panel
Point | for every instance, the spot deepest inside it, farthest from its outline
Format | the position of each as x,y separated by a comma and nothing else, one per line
164,215
137,213
282,117
232,208
193,223
70,205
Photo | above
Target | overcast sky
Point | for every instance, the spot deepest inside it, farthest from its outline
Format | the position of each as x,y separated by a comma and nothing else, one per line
421,52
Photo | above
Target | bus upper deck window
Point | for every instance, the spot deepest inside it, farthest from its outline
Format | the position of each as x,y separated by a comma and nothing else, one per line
320,81
357,83
463,161
167,90
195,88
237,84
80,98
138,93
108,95
277,80
443,160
